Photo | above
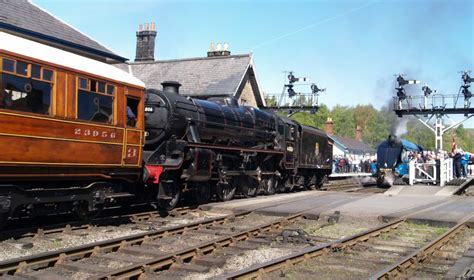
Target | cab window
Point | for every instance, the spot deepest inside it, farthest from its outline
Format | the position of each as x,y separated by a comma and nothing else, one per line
132,111
25,87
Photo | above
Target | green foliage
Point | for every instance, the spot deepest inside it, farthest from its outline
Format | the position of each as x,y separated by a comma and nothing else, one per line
378,124
344,122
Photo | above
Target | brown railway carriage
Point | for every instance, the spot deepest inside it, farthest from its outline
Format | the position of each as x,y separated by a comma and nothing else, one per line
71,128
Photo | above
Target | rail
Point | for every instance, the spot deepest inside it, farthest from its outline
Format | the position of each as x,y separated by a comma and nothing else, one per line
49,259
259,270
401,267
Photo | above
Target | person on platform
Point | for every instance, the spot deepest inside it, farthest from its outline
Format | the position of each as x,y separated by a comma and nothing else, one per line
465,158
457,163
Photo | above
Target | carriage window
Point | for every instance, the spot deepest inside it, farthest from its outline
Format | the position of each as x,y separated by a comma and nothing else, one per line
93,103
21,68
83,83
101,87
23,89
47,75
23,94
132,111
110,89
8,65
36,71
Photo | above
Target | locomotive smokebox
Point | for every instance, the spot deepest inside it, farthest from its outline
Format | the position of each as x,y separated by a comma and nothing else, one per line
393,138
171,87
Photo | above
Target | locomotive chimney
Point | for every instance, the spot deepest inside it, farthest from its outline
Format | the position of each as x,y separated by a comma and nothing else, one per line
146,35
218,50
171,87
329,126
358,133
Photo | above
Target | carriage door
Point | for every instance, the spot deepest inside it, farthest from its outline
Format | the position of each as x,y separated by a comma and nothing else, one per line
133,132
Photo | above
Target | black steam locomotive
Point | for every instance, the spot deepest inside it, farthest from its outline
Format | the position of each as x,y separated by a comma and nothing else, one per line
216,147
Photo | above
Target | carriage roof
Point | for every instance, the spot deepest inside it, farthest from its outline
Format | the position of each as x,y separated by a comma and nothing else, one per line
28,48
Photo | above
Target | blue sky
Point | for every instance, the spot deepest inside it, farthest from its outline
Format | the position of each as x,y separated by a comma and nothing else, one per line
353,48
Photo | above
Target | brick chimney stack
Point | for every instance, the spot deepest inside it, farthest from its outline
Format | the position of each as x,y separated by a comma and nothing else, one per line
146,35
329,126
218,50
359,133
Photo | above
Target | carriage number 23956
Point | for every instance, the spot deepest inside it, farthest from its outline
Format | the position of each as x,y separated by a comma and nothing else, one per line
95,133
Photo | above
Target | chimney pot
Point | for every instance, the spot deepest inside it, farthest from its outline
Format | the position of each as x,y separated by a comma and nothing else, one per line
218,50
358,133
329,126
146,36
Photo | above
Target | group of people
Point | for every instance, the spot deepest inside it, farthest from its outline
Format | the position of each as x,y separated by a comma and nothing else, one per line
352,165
461,161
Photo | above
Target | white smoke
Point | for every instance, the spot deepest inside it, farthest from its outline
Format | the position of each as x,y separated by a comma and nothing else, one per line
399,126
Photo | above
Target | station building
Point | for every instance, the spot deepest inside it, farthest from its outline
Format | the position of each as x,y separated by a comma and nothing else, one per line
346,147
218,74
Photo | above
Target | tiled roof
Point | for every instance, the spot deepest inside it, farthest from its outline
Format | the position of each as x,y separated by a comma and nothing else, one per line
352,145
24,17
206,76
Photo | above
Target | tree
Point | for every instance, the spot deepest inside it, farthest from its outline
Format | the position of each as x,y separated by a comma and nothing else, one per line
344,123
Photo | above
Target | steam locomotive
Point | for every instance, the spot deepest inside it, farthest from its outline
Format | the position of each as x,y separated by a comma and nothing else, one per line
393,159
215,146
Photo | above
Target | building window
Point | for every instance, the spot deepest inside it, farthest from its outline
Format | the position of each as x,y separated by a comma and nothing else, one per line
93,102
23,88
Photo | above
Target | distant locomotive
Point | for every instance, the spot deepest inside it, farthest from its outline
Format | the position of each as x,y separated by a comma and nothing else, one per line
219,147
393,159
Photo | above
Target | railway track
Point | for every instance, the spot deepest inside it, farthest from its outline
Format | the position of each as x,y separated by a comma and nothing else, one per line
428,260
353,185
69,227
393,250
152,250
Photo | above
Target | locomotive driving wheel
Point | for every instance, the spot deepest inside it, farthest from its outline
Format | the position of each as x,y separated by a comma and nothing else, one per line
202,193
225,191
247,185
268,185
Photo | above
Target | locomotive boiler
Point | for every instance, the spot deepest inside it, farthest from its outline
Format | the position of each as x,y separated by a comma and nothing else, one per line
217,147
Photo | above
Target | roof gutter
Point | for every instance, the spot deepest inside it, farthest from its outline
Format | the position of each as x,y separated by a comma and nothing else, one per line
61,42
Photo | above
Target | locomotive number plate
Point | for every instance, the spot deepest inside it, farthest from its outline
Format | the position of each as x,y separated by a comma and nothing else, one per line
149,109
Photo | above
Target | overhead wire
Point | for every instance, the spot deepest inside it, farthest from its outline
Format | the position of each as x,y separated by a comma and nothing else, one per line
312,25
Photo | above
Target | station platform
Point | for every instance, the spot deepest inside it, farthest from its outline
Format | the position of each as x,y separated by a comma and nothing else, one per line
426,208
349,175
430,189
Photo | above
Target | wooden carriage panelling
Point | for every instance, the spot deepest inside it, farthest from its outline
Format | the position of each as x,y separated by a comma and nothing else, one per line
55,115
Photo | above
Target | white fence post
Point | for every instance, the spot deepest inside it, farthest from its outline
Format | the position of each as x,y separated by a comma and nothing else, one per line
411,172
443,174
